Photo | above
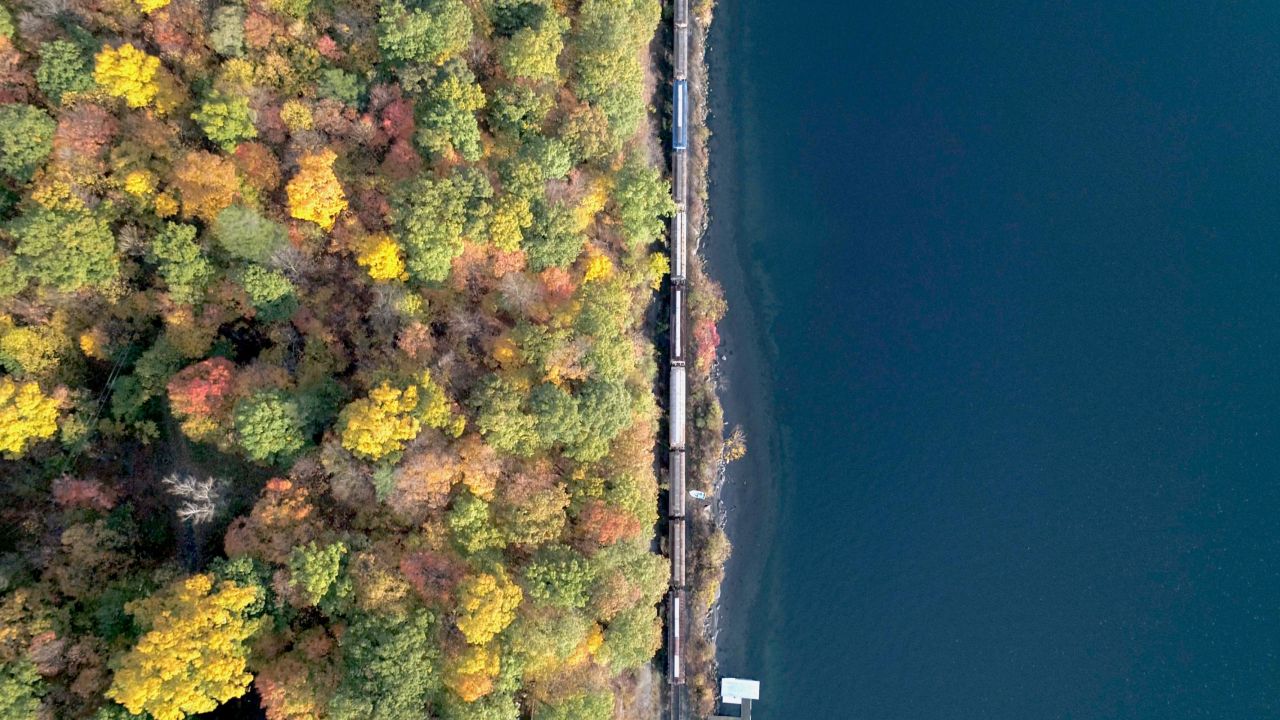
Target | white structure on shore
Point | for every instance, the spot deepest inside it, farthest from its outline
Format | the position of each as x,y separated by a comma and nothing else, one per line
734,690
737,691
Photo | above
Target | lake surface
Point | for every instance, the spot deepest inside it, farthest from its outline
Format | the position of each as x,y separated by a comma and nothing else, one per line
1005,335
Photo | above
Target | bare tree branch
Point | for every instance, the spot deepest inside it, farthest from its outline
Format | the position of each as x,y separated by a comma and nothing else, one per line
200,497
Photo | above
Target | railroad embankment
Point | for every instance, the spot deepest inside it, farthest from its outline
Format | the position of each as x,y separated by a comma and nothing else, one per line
708,546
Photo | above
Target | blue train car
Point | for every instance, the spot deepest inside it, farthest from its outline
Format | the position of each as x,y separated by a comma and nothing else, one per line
680,126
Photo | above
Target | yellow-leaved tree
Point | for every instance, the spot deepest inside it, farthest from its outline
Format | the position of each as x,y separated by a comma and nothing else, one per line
192,656
381,255
128,73
26,416
435,409
488,604
379,425
511,215
32,351
599,267
315,193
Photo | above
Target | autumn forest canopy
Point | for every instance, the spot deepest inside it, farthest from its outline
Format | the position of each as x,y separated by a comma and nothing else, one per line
324,381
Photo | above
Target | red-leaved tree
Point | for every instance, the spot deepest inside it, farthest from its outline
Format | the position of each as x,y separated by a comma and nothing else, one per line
203,389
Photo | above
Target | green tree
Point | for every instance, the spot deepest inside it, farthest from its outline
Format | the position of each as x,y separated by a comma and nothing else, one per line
112,711
494,706
432,216
586,129
269,426
556,415
626,574
604,309
604,409
583,706
635,495
523,175
245,234
339,85
271,293
610,358
313,569
26,139
435,409
509,16
246,571
544,637
532,52
609,36
553,157
643,198
12,278
20,690
518,109
226,31
501,417
428,32
552,240
66,250
391,667
156,366
63,69
183,266
447,113
226,119
539,343
632,638
558,576
472,525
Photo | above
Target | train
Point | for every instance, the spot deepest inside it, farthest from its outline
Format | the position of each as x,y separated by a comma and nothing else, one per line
677,401
678,382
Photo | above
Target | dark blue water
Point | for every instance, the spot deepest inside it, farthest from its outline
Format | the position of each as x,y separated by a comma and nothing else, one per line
1005,335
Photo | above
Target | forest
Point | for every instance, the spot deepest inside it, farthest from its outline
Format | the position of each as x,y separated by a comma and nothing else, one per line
326,358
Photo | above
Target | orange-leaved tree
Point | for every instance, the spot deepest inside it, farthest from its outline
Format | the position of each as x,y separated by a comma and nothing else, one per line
469,673
207,183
